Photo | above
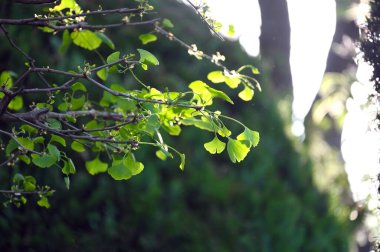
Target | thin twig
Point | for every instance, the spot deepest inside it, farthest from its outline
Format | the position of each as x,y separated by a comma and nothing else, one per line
204,20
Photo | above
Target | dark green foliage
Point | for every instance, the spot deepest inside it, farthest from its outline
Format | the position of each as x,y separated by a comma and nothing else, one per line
266,203
370,42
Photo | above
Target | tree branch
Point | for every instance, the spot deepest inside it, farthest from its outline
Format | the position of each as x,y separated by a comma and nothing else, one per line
43,114
35,1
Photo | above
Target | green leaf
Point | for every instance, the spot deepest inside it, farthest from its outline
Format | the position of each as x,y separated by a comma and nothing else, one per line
119,171
29,129
11,146
86,39
54,124
255,70
246,94
6,79
148,58
16,103
166,23
39,140
106,40
43,202
206,92
102,74
203,124
182,164
29,183
163,154
215,146
78,86
58,139
78,147
66,41
18,178
144,66
24,159
77,103
113,57
216,77
96,166
67,182
68,167
236,150
224,132
147,38
133,166
44,161
231,31
232,82
54,152
26,142
250,136
219,94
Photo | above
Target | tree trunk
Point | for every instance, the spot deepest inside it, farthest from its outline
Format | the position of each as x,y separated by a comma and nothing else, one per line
275,43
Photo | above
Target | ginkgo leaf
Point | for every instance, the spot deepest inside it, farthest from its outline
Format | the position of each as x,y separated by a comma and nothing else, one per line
236,150
166,23
68,167
58,139
246,94
219,94
182,164
43,202
86,39
216,77
215,146
250,136
148,58
96,166
133,166
78,147
113,57
232,82
67,4
147,38
119,171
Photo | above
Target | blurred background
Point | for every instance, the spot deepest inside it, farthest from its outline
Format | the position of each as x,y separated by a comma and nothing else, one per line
295,192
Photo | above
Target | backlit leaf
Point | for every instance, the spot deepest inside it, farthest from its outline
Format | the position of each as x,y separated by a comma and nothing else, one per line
246,94
115,56
68,167
182,164
102,74
78,147
43,202
215,146
119,171
67,4
166,23
58,139
44,161
147,58
133,166
252,137
216,77
96,166
237,151
147,38
16,103
232,82
86,39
